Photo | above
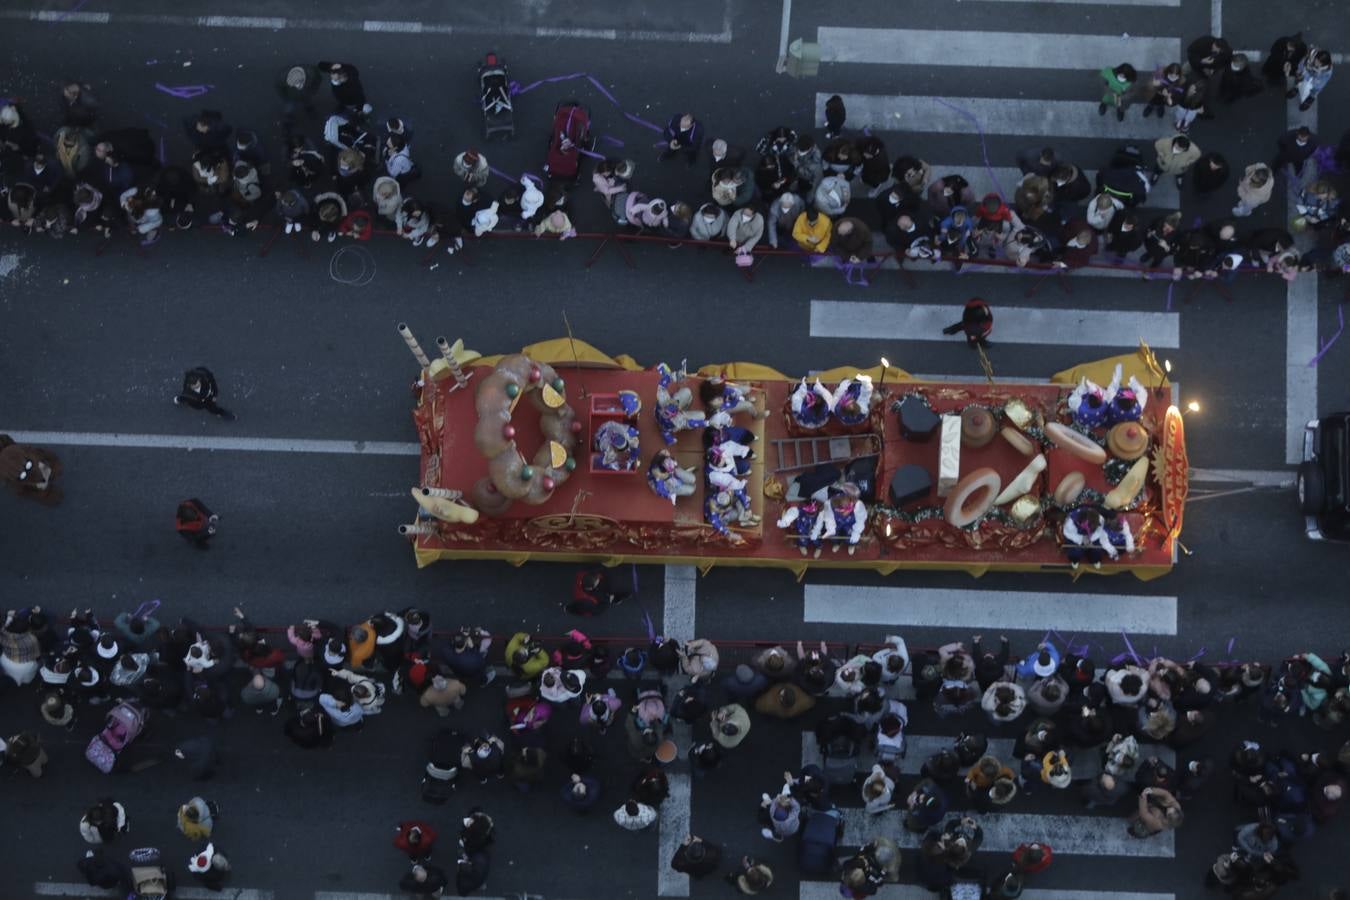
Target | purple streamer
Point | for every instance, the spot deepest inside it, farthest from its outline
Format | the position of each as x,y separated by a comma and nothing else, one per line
612,140
1170,287
1231,642
185,91
633,566
515,89
1197,655
984,144
1130,647
163,159
68,13
500,174
1326,345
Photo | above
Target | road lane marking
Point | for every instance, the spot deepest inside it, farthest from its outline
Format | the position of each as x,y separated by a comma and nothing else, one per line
990,49
1082,612
198,442
1016,324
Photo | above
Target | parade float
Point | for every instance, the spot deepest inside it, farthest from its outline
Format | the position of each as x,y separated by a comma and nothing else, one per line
562,453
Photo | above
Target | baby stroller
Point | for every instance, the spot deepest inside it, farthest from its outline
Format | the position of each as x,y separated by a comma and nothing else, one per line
125,722
149,879
570,137
442,768
494,87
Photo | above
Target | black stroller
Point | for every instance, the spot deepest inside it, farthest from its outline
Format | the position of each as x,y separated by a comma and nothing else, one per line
494,87
438,780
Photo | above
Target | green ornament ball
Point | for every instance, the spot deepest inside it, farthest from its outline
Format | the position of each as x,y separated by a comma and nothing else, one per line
526,473
513,390
559,384
570,465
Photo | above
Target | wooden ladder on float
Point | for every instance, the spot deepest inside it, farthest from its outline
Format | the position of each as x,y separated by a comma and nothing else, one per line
806,452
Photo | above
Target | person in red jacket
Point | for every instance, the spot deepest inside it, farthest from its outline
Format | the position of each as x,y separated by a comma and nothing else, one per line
415,838
977,320
1032,858
993,224
592,593
195,523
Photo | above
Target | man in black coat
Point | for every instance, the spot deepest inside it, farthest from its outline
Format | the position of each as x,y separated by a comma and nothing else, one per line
1294,146
697,857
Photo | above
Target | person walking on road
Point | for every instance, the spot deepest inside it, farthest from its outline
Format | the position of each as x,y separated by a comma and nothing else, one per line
197,819
1158,811
200,392
977,321
683,134
1118,80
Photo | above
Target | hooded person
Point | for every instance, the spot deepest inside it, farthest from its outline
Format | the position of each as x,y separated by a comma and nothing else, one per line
531,199
832,195
388,196
784,701
210,867
472,168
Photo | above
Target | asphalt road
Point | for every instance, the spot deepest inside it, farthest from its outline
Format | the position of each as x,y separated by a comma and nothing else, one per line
97,343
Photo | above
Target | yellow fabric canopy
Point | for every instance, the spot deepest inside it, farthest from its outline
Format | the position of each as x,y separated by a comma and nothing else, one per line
1142,364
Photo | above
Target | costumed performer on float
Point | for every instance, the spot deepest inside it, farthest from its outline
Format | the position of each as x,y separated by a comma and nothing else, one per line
1124,404
811,405
725,508
668,479
672,410
845,516
724,462
1091,533
720,395
807,521
616,446
733,438
1088,404
852,400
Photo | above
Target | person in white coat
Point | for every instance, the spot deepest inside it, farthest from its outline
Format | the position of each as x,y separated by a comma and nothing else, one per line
634,816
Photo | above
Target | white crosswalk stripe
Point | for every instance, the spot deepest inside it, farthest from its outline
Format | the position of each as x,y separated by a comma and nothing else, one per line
919,747
988,49
1004,180
1016,324
997,115
966,609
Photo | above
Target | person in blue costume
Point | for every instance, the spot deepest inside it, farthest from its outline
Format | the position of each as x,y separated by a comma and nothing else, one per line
672,409
1088,404
723,509
1125,404
806,522
721,396
616,446
668,479
811,405
852,400
845,516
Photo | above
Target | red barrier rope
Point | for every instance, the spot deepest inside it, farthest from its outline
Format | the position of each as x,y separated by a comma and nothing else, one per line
760,252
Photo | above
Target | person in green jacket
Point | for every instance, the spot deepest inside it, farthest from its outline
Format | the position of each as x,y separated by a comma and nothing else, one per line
1118,81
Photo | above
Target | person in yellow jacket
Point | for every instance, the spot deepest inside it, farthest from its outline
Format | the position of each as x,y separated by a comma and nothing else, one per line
361,644
812,231
196,819
526,657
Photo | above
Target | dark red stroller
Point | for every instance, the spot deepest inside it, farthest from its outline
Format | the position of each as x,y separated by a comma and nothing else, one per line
570,136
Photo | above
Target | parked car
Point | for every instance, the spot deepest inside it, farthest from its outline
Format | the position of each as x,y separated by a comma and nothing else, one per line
1324,478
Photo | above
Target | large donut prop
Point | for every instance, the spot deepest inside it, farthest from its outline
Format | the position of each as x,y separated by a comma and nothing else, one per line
509,476
1078,444
972,497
